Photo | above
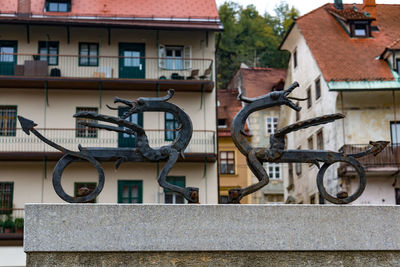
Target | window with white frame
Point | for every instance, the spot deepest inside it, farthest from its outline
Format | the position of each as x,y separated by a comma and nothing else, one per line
175,57
271,123
273,169
395,132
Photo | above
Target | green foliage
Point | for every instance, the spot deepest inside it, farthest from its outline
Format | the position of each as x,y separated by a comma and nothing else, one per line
8,223
251,38
19,223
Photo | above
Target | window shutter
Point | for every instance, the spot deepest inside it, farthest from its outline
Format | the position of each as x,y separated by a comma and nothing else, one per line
188,57
161,56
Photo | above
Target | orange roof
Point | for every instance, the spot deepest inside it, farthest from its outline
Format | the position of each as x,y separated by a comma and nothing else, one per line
342,58
228,107
123,11
128,8
260,81
350,14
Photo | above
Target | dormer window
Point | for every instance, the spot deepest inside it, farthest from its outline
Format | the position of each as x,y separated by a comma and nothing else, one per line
361,29
58,5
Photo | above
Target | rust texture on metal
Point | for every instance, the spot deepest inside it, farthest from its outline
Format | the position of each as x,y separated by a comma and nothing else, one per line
140,152
276,153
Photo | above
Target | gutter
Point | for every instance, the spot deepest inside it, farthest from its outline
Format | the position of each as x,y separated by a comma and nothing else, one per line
366,85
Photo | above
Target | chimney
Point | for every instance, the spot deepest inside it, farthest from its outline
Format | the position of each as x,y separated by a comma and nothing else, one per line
338,4
24,7
370,7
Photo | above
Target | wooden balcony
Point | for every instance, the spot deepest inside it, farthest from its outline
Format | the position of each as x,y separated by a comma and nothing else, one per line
105,72
386,162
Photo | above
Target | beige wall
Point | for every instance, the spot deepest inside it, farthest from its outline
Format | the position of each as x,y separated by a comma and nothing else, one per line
306,73
32,184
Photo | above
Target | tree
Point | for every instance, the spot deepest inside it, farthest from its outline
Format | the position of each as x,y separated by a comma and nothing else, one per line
251,38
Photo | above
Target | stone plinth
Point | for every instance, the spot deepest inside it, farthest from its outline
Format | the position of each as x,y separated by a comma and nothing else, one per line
229,234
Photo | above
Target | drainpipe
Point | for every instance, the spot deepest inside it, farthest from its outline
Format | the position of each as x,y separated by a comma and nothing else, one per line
216,111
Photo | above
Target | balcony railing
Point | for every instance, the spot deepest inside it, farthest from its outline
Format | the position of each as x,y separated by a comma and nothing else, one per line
105,67
389,157
11,223
201,142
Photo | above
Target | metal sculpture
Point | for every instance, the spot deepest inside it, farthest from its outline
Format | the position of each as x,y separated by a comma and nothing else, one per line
142,151
277,153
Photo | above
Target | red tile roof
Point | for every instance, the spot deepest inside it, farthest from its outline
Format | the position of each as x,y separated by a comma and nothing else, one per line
350,14
128,8
124,11
228,106
260,81
342,58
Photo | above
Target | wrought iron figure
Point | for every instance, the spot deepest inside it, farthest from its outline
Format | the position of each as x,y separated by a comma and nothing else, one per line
142,151
277,153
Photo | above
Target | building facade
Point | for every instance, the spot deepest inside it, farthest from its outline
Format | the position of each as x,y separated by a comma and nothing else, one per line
254,82
345,58
59,57
233,169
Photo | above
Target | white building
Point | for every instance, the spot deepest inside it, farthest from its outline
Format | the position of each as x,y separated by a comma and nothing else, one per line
346,60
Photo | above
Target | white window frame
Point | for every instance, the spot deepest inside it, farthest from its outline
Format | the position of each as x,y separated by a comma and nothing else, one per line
186,57
271,124
273,175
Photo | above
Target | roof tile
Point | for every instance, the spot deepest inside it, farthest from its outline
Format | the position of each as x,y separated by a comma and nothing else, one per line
128,8
342,58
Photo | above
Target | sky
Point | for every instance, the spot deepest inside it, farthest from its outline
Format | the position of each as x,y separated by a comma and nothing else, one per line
304,6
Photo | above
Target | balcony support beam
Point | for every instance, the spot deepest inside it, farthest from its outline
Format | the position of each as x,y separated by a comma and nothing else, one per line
28,39
109,35
68,35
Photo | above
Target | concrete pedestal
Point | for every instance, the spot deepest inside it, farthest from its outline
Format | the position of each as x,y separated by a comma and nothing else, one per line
211,235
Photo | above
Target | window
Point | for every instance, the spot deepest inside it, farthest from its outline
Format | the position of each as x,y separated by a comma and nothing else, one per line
84,189
398,65
273,170
130,191
8,120
46,50
295,58
171,124
312,199
223,200
397,195
88,54
171,197
175,57
360,29
317,88
227,162
297,113
271,123
320,140
298,165
310,143
58,5
291,182
274,198
85,131
222,123
6,197
309,100
395,132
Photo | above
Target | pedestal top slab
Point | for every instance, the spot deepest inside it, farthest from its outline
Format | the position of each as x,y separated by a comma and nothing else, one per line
116,227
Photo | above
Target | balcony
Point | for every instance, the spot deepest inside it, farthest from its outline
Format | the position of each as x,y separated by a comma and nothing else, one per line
28,147
11,226
105,72
385,162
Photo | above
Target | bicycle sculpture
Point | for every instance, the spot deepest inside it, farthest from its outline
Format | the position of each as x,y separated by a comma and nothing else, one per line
142,151
277,153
